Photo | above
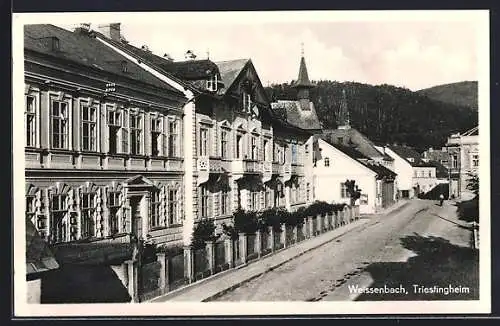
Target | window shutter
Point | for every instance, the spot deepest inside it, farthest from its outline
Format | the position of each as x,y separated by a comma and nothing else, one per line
125,133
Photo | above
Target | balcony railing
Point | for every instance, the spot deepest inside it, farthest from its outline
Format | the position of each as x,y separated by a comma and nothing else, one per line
246,166
276,168
297,169
212,164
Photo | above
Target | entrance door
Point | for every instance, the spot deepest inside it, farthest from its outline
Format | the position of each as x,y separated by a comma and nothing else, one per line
135,207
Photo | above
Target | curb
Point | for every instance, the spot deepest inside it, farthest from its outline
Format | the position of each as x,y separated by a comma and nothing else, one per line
235,286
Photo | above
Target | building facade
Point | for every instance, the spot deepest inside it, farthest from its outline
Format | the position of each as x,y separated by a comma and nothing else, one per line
463,151
103,150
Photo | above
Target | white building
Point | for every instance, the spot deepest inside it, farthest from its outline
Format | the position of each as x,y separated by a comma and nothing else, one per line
337,163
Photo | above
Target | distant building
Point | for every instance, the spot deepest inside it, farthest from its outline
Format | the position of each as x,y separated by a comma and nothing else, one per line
463,151
436,155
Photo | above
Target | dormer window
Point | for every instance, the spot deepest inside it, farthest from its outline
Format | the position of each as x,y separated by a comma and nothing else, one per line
212,83
246,101
55,43
124,66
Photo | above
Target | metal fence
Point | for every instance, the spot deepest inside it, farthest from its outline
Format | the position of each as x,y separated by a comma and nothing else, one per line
149,282
277,241
300,233
266,243
176,271
252,247
220,257
201,266
290,235
236,252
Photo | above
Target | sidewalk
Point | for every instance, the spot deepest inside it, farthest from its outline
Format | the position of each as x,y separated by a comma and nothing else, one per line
221,283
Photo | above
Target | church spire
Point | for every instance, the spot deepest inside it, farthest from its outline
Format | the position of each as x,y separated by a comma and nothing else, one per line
343,116
303,84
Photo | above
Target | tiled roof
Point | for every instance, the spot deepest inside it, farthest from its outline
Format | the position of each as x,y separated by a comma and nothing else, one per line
291,111
359,141
85,50
408,153
356,155
441,170
39,258
229,71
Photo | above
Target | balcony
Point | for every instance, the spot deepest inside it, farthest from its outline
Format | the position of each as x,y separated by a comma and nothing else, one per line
246,166
212,164
286,171
297,169
276,168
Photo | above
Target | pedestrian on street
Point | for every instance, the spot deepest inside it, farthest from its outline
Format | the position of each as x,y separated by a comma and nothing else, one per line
441,199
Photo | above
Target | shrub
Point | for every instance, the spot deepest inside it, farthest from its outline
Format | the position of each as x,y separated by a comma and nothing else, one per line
245,221
230,231
171,251
273,217
203,231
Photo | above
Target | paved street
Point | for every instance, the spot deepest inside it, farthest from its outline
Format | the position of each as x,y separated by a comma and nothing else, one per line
416,247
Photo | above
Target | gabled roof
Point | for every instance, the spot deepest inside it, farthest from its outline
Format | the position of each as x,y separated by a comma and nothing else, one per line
380,170
230,70
408,153
39,258
293,114
303,78
85,50
359,141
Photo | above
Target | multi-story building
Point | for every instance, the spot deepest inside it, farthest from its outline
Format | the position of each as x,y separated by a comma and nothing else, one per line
463,150
103,142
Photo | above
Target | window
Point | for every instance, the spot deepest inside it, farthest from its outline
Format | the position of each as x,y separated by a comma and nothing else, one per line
266,150
224,144
340,140
363,199
475,160
212,84
30,208
255,148
58,223
294,196
203,142
224,202
294,153
327,162
114,127
59,125
135,134
454,161
343,191
239,145
156,136
247,102
254,200
172,138
89,133
429,173
113,207
87,206
155,219
308,191
204,201
30,121
172,207
268,197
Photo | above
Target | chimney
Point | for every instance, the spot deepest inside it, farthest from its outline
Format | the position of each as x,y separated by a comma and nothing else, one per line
111,31
189,55
83,28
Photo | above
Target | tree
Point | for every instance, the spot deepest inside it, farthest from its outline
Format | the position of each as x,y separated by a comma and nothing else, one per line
473,183
353,191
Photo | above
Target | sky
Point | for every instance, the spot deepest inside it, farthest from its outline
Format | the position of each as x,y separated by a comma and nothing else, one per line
412,53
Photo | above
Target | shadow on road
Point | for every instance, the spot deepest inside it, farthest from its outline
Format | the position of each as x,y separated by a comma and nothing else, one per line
468,210
438,263
83,284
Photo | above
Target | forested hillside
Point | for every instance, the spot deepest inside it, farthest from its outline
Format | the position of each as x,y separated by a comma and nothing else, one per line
386,113
462,93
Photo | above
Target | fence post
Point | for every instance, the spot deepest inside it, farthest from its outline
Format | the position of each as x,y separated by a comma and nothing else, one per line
133,286
210,245
228,243
161,257
271,235
283,235
189,263
243,247
258,243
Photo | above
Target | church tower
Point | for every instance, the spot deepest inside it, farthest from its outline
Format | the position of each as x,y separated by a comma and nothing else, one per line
343,113
303,85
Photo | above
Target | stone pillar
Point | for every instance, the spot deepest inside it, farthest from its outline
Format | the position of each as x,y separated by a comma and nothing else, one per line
243,247
189,263
296,233
228,243
320,223
311,226
271,235
258,243
133,282
164,281
210,245
304,228
283,235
